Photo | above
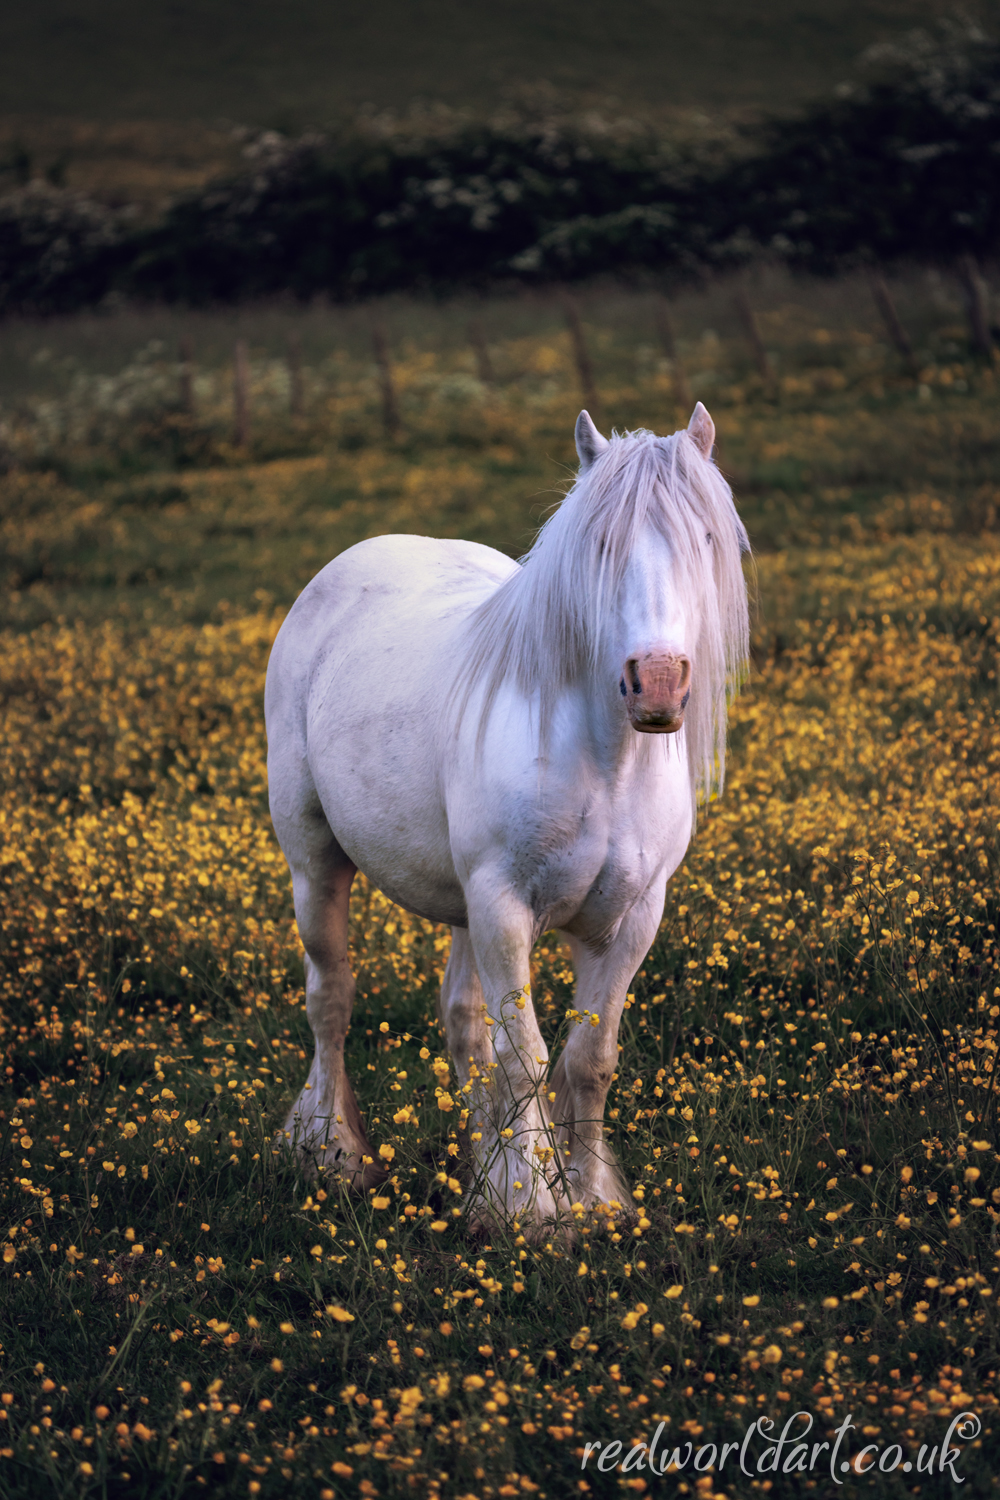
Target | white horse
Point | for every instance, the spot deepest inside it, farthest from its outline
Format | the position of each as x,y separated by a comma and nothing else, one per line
510,748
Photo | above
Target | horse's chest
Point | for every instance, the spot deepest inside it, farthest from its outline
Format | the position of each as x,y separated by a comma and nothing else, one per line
591,878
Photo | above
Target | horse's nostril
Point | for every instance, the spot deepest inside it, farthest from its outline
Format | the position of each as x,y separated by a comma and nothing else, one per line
623,688
636,686
684,700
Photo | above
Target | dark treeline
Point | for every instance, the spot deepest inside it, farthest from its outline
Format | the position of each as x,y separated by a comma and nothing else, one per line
904,165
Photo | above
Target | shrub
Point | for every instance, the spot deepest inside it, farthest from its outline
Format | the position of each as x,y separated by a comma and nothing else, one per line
58,250
401,207
903,166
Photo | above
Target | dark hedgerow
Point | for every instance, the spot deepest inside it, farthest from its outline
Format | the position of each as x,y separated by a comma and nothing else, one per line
903,167
382,212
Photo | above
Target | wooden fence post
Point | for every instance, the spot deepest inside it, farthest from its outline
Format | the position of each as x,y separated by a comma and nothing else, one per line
751,327
484,365
976,304
892,321
296,394
186,387
241,394
678,375
581,354
390,406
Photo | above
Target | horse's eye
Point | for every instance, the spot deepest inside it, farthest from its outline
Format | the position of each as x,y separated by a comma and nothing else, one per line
708,536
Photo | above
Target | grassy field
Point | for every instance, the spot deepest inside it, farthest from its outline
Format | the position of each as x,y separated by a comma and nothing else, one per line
133,104
805,1102
111,61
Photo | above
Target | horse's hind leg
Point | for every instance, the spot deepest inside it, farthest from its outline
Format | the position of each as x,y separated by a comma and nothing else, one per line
325,1123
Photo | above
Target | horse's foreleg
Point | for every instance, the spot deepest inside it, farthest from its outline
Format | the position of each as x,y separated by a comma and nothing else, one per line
583,1074
325,1123
510,1130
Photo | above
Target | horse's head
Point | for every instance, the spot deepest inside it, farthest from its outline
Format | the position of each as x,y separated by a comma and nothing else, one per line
658,623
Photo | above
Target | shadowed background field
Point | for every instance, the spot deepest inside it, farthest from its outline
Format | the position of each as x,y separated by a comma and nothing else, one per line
135,103
112,61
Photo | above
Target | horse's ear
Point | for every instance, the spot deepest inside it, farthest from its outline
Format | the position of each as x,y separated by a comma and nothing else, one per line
589,442
701,429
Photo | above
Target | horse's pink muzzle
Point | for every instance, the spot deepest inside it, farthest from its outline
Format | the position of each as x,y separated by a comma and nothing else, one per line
656,687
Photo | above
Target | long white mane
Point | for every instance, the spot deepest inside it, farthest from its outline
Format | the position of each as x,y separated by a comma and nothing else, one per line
544,627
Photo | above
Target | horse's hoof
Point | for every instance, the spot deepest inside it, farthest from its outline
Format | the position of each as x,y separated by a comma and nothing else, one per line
531,1223
359,1172
359,1177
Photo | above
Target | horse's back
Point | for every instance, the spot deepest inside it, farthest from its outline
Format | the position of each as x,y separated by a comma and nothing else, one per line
410,581
405,563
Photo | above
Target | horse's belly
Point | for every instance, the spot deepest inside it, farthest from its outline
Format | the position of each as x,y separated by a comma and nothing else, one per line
438,901
377,777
